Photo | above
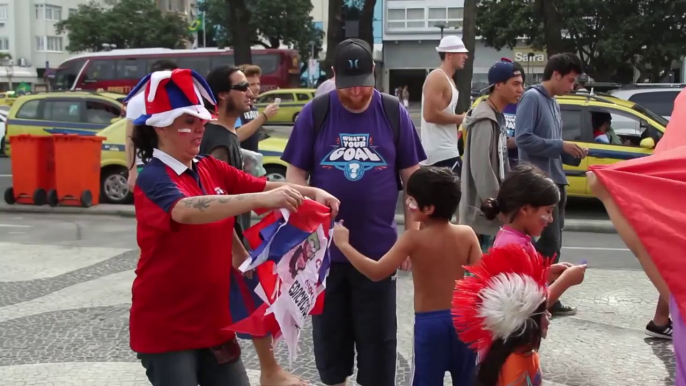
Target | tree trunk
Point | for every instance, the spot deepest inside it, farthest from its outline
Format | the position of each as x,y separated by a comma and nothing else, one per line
367,22
334,34
552,26
239,19
463,78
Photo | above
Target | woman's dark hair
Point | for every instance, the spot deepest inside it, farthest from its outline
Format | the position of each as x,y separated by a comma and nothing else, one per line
525,185
163,65
564,64
144,139
488,371
437,187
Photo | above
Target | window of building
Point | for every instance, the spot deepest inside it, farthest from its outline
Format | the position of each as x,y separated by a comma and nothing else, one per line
424,18
451,17
4,43
40,43
48,12
55,43
73,11
400,18
4,11
49,43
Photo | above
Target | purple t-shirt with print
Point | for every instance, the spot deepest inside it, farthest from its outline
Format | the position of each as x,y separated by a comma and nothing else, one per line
355,158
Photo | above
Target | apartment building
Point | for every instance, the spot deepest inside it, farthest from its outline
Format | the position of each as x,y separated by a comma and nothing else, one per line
29,43
412,30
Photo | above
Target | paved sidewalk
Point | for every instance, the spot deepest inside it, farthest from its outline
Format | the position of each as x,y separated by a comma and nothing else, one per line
571,224
64,321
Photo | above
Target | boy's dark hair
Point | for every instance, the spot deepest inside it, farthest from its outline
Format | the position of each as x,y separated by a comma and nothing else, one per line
219,79
564,64
599,118
437,187
163,65
520,68
525,185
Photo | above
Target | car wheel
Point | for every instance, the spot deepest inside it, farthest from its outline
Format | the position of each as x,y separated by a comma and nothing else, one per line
114,186
276,173
295,116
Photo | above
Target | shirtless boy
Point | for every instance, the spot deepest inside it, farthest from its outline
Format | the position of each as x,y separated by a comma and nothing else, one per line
438,252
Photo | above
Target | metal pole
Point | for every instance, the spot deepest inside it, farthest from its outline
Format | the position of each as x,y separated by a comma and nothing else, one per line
204,31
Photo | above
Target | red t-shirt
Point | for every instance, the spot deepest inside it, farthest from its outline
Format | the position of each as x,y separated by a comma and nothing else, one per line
181,291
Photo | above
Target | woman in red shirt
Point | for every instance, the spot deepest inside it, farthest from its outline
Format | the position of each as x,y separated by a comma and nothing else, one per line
185,208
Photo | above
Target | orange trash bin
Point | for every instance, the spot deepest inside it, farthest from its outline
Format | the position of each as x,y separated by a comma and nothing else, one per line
33,169
77,170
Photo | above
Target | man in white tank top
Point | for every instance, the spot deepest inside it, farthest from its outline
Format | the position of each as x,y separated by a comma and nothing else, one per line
439,99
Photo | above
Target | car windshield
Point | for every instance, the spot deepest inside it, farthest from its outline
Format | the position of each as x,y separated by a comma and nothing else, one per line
657,118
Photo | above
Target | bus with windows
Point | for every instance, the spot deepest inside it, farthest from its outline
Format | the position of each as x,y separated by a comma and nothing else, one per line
120,70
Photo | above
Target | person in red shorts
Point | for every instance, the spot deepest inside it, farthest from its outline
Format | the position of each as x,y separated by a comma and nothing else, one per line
185,209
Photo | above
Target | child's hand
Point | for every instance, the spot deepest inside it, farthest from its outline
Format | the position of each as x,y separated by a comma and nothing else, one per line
341,234
557,269
574,275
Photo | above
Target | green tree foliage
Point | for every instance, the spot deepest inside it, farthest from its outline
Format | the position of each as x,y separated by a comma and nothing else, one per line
608,35
125,23
268,23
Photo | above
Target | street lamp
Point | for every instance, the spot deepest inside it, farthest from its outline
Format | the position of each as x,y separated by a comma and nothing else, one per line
441,25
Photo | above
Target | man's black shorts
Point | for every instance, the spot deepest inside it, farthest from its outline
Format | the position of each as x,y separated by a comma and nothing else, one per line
358,313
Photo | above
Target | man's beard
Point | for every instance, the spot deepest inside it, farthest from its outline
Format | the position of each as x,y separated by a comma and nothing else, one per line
346,101
231,109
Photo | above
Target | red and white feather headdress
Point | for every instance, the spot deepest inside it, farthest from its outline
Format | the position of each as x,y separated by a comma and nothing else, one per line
506,288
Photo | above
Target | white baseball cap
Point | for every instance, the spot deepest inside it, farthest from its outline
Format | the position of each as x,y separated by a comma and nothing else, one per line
452,44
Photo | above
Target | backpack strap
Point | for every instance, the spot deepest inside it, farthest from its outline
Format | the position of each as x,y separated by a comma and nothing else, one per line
391,107
320,111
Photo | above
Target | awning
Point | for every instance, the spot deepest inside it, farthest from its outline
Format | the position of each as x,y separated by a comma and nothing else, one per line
18,72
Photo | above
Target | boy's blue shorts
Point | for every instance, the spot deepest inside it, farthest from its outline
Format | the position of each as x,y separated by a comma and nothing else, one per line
437,349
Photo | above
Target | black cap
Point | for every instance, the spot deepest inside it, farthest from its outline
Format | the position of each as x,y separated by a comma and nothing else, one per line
354,64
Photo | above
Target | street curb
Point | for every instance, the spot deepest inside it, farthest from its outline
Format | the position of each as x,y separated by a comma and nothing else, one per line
571,225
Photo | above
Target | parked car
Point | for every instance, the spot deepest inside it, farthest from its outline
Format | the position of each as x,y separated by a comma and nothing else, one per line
292,102
114,174
639,129
656,97
69,112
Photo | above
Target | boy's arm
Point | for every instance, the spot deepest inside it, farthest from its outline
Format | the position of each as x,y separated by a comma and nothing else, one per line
475,249
387,265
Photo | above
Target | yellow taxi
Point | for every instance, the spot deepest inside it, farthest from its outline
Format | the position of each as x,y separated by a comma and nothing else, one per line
638,128
114,173
68,112
292,101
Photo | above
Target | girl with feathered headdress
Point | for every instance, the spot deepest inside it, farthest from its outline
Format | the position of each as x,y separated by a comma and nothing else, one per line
501,310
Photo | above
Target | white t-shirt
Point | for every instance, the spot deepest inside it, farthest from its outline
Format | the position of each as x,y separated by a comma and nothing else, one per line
326,87
134,109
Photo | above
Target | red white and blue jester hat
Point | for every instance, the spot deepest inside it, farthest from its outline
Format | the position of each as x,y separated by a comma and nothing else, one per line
170,94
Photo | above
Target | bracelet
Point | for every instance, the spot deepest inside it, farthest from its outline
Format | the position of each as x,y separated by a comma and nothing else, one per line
266,118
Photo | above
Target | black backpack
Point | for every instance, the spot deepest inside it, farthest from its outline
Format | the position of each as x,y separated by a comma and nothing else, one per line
391,107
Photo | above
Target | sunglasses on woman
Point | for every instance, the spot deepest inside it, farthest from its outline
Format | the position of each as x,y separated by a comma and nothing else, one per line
242,87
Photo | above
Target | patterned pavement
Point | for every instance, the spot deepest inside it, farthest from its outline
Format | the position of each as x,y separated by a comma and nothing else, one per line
64,321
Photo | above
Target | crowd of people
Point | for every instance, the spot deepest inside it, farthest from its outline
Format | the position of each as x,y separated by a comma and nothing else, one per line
355,150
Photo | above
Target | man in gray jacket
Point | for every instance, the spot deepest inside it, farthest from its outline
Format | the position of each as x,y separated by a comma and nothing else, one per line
486,159
538,134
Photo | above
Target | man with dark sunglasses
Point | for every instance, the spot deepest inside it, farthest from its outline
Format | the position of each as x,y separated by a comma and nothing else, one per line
232,92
